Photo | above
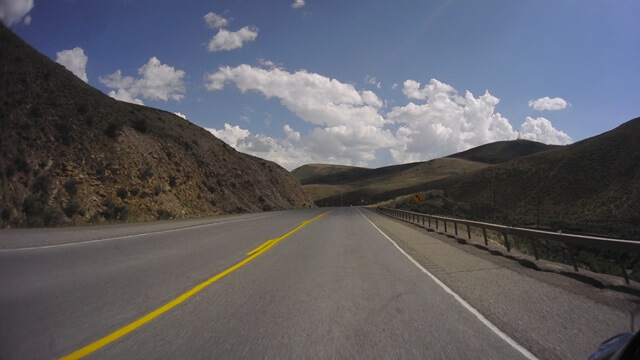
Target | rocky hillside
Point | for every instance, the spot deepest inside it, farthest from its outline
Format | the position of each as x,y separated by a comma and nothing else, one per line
502,151
70,154
591,186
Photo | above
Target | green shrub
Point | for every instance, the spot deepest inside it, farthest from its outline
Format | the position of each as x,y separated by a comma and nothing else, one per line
164,214
145,173
33,206
64,133
111,130
81,108
122,193
112,211
6,214
71,187
140,125
35,112
9,170
172,181
21,164
135,191
73,208
157,190
41,185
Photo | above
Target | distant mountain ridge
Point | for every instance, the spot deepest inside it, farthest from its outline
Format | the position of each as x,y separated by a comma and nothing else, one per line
71,154
502,151
335,184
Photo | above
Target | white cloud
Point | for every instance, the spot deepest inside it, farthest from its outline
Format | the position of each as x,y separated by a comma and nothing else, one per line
75,61
348,126
314,98
371,80
181,115
298,4
291,134
412,89
215,21
245,119
394,86
13,11
228,40
230,134
541,129
446,123
124,95
547,103
157,82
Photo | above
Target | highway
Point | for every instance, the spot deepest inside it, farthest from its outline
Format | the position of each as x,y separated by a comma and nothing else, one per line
314,283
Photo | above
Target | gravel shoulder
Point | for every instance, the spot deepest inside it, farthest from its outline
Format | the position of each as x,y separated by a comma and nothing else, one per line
547,307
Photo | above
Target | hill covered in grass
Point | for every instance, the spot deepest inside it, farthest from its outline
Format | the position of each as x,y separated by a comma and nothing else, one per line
338,184
331,185
70,154
502,151
590,186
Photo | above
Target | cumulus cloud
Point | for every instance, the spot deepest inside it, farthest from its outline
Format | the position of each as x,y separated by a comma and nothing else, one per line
14,11
547,103
181,115
291,134
371,80
314,98
298,4
411,89
349,126
541,129
124,95
157,81
75,61
446,123
231,40
215,21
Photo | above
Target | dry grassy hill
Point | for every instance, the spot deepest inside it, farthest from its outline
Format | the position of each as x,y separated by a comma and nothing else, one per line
502,151
338,184
590,186
70,154
334,185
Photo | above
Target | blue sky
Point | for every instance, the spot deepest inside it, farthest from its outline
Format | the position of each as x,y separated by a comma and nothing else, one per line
366,83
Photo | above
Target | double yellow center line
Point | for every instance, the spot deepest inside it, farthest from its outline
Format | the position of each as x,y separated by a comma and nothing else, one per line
80,353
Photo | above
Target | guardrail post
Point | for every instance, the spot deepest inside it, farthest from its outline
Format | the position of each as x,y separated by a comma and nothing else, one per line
469,231
455,226
423,221
573,258
436,224
429,222
534,243
506,241
445,226
484,233
624,271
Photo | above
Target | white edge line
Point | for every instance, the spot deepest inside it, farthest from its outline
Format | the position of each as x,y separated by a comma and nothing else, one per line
471,309
125,236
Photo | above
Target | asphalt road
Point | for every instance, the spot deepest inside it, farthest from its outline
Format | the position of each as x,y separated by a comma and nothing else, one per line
335,288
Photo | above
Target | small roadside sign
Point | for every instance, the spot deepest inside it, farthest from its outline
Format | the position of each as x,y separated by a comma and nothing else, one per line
417,198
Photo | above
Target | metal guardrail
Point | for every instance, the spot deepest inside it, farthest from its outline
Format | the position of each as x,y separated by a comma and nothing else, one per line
533,235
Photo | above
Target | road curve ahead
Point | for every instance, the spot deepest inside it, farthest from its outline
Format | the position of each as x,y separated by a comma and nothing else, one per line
276,286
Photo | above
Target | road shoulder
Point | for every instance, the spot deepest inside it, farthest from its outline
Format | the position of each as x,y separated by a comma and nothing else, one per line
570,318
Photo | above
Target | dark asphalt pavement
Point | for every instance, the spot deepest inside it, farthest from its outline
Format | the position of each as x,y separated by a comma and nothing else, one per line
336,288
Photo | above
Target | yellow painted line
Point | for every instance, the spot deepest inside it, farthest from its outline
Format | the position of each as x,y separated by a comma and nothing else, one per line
182,298
260,247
